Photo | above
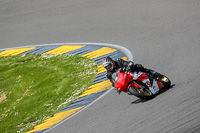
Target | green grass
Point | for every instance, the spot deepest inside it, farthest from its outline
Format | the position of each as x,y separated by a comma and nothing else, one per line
34,87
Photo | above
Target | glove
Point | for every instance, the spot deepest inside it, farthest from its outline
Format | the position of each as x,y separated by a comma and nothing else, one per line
123,69
130,66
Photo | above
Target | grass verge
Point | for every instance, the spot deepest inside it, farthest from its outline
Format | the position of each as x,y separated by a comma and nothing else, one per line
34,87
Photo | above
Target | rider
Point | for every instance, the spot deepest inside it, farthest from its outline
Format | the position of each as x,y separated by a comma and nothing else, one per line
111,66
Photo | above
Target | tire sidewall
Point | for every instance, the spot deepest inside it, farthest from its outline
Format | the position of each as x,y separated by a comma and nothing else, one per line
135,93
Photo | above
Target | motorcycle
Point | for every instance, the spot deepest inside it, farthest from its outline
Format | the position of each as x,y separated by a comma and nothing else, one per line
139,84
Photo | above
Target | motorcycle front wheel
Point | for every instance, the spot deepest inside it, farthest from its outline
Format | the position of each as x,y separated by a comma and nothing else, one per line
141,92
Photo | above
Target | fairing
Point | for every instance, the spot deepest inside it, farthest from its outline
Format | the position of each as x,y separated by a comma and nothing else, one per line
124,80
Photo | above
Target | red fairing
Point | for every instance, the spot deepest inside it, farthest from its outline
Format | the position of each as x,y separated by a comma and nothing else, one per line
123,81
142,77
130,75
134,84
121,84
160,85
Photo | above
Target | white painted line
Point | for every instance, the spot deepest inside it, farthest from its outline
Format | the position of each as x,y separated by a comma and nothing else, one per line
79,110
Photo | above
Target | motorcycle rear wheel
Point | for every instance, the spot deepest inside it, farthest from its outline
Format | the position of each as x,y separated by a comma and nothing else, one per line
164,80
142,92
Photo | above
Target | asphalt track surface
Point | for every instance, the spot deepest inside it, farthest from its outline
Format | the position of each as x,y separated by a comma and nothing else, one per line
162,35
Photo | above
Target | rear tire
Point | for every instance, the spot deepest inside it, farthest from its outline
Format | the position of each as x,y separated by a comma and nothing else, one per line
164,80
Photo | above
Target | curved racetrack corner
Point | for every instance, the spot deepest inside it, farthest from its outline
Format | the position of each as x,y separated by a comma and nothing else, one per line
94,51
162,35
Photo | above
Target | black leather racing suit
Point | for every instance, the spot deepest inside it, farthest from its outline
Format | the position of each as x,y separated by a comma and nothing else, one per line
127,65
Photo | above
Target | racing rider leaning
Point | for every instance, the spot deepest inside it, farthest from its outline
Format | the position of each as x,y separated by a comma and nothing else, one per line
111,66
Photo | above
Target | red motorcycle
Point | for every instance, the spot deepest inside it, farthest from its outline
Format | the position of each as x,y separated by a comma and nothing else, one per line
140,84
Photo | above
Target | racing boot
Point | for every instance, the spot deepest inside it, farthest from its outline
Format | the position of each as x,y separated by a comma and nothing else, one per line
150,72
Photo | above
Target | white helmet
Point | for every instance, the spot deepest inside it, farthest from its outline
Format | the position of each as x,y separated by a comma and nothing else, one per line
108,63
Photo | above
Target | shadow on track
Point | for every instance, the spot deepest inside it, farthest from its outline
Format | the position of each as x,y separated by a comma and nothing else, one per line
165,89
139,101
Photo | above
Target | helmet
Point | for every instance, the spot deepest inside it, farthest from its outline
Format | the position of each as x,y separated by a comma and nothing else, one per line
108,63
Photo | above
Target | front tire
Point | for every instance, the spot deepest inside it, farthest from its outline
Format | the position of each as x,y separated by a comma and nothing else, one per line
142,92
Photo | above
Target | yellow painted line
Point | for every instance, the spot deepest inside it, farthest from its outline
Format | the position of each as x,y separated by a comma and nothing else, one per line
97,88
99,52
101,69
64,49
55,120
124,58
12,52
